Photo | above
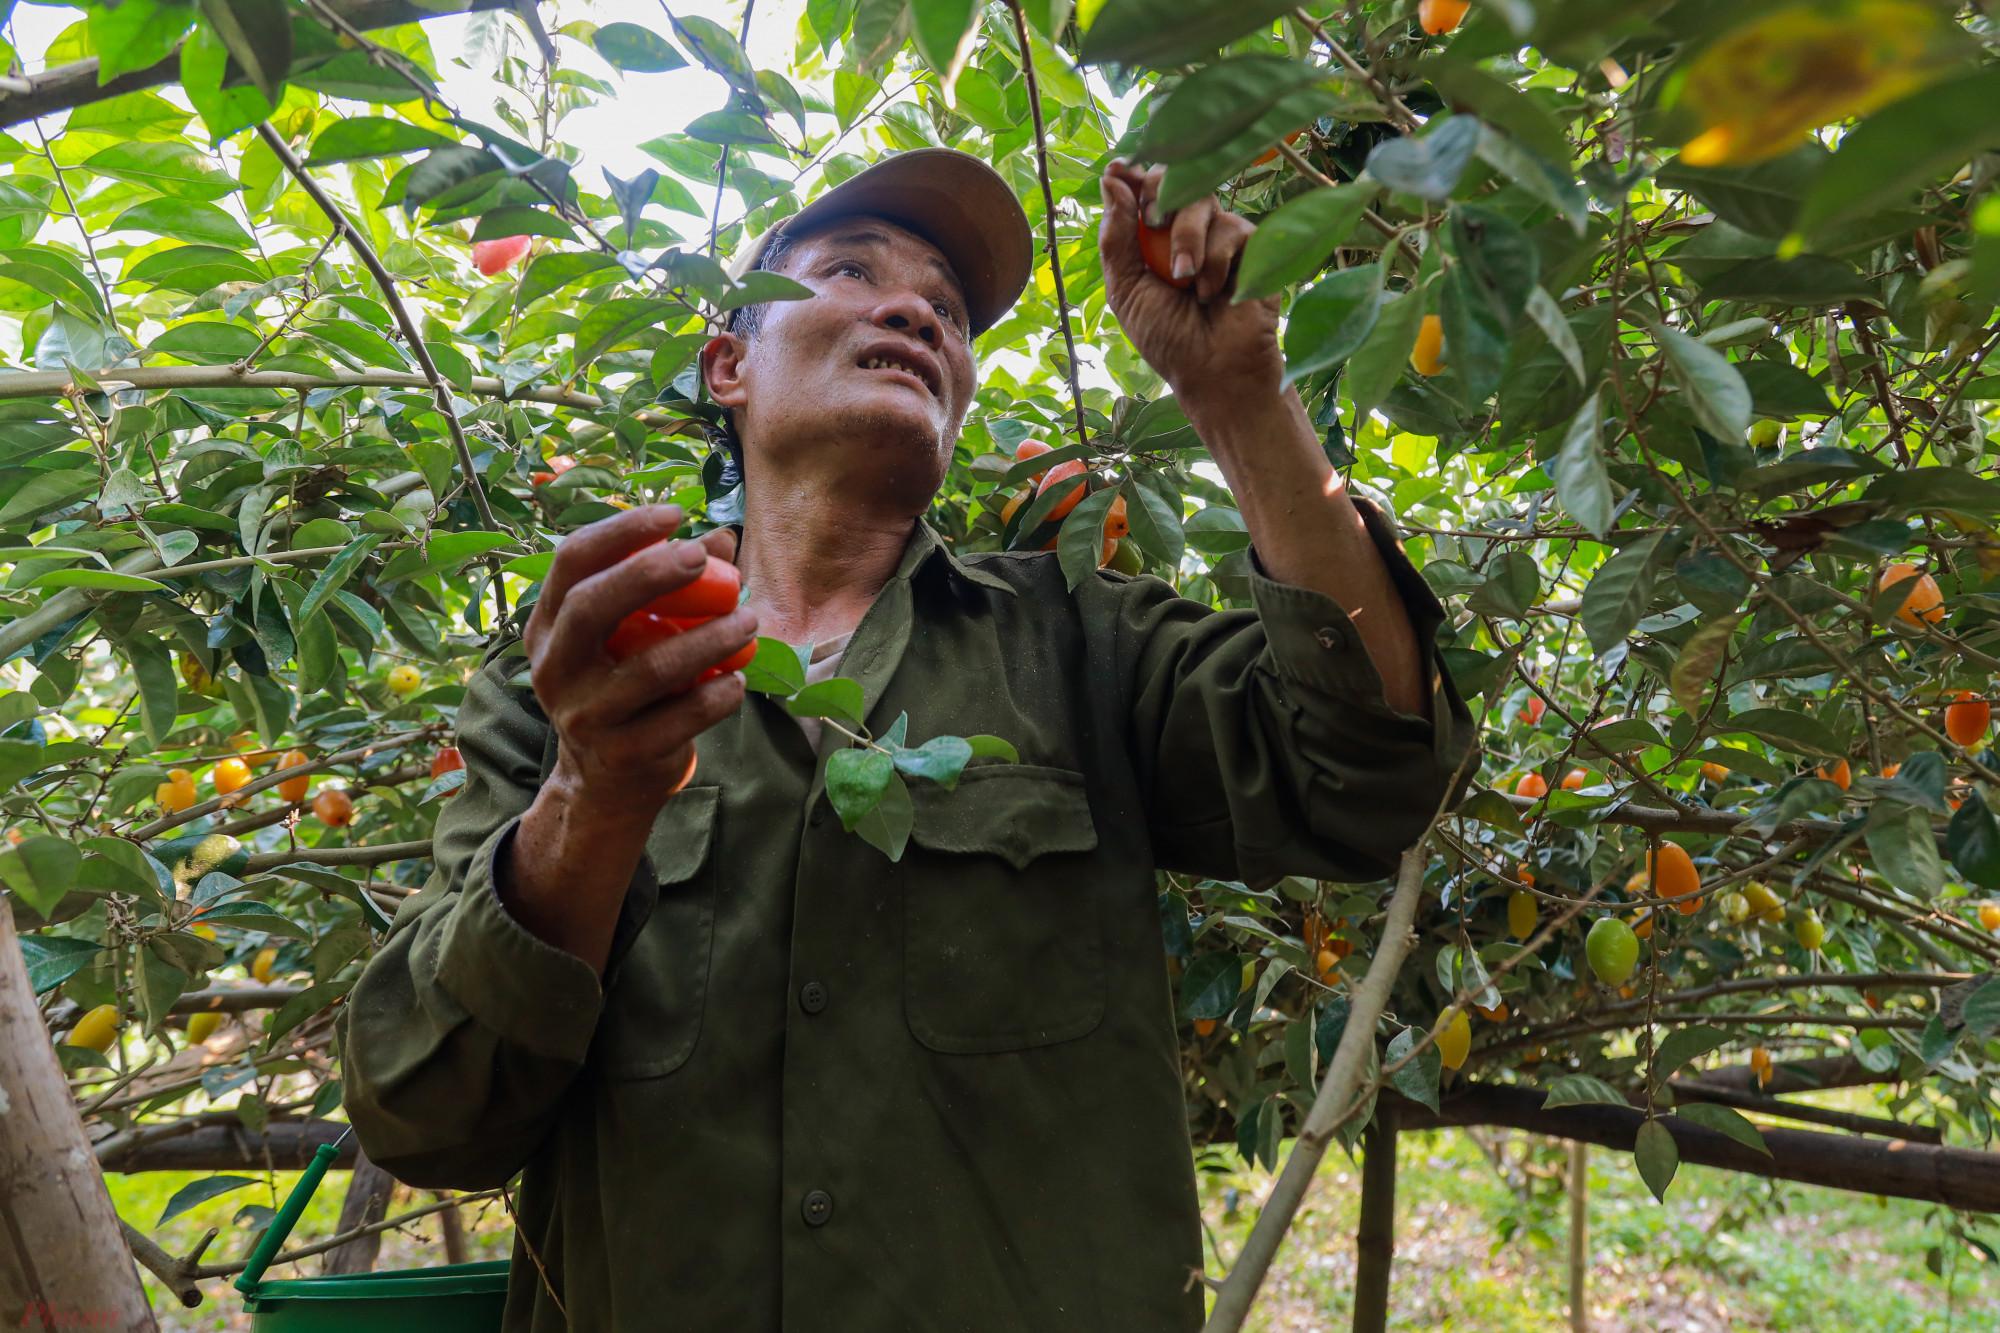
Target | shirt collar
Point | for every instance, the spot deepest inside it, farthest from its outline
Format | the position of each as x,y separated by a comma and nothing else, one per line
927,546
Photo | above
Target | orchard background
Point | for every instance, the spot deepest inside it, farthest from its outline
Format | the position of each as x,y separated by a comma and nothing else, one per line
1661,329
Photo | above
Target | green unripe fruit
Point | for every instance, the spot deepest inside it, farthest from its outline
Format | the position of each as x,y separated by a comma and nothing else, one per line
1764,434
1613,951
1810,932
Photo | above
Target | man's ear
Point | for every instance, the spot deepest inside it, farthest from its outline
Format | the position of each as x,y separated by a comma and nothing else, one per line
722,369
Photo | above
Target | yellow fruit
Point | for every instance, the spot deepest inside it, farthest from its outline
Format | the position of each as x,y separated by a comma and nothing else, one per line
96,1029
197,677
1735,908
1454,1039
1522,913
202,1026
1715,773
261,965
229,775
176,793
1428,355
293,789
1764,904
1810,932
204,932
405,679
1989,915
243,740
1760,1060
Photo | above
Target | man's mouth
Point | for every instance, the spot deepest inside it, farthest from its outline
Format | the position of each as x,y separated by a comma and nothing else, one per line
917,370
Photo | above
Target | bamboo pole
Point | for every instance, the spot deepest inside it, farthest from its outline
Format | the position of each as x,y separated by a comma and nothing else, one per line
1579,1236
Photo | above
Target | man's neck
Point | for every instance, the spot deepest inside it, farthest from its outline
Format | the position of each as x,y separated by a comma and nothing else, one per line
813,568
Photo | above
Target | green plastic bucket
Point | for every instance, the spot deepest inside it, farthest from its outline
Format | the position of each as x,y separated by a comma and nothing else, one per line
459,1298
462,1298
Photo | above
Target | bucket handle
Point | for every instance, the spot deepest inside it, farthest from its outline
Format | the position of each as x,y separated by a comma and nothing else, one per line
287,1217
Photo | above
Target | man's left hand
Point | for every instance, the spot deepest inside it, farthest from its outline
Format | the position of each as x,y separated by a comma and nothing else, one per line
1201,342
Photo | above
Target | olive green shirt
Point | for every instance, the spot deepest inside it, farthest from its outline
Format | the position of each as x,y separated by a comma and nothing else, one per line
817,1090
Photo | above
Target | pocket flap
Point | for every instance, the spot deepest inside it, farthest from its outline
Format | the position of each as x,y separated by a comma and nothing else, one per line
682,833
1013,811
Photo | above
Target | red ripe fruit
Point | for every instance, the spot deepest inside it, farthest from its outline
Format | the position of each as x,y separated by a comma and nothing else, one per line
1032,449
1532,710
446,760
491,257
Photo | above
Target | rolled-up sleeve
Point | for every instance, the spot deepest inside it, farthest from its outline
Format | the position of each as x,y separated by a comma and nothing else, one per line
1264,737
465,1030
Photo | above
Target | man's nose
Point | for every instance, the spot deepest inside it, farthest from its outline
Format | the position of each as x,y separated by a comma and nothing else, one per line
910,313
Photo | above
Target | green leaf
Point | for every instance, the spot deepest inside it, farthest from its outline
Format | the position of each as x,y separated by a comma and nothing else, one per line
1724,1121
182,219
301,1007
1972,841
1163,33
159,692
1512,585
1333,319
258,34
993,747
360,137
637,50
97,580
1699,660
193,268
1807,280
54,959
941,759
1081,540
778,668
1904,850
1417,1080
40,870
134,35
195,1193
758,287
551,273
338,570
1901,147
1657,1157
1548,317
715,48
1552,184
1210,986
855,781
1582,484
499,224
1685,1045
1618,594
1785,729
178,169
1218,102
206,342
1291,244
1378,363
1716,392
839,698
622,317
1582,1090
944,32
1762,199
1155,525
1428,166
1981,1010
887,826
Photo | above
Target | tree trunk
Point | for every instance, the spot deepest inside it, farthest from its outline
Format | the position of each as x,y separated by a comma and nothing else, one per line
1375,1238
63,1258
367,1202
1579,1237
452,1227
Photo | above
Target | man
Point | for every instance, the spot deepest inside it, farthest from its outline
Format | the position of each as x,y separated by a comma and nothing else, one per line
758,1077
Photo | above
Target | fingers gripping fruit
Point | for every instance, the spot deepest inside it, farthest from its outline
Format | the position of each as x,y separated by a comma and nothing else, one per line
1156,248
1613,951
714,592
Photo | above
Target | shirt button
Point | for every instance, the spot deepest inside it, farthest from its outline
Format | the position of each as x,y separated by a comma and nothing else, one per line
818,1208
812,997
1330,638
818,815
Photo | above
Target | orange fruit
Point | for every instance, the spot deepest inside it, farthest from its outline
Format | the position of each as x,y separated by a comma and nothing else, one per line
1497,1014
293,789
1838,774
229,775
1760,1060
1156,248
1525,873
1326,961
1442,16
1531,711
1059,475
1204,1027
266,958
1967,719
1532,785
1271,153
1670,872
1031,449
1715,773
1922,602
1428,355
1013,505
1116,524
1989,915
1576,779
176,793
333,807
1891,770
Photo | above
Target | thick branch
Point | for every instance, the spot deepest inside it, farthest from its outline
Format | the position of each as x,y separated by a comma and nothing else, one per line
50,383
1694,1090
1955,1177
342,856
290,1145
75,84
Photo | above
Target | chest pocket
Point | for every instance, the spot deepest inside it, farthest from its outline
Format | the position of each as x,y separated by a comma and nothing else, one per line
654,1000
1003,949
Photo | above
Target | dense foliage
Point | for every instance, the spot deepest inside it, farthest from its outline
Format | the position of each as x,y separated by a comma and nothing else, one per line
1661,329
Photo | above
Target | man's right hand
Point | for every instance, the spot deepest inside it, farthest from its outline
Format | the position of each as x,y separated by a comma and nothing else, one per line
625,729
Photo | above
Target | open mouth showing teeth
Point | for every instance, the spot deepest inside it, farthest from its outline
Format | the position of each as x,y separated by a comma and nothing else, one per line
891,363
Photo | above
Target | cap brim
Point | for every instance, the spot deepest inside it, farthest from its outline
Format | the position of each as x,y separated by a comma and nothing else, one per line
953,200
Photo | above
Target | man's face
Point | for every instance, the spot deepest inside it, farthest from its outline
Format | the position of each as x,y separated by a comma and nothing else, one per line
879,359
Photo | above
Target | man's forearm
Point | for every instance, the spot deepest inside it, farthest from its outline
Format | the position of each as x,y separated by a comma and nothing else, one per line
569,871
1307,531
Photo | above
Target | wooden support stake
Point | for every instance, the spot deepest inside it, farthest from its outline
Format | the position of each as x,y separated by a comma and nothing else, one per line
1375,1238
1579,1237
63,1259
